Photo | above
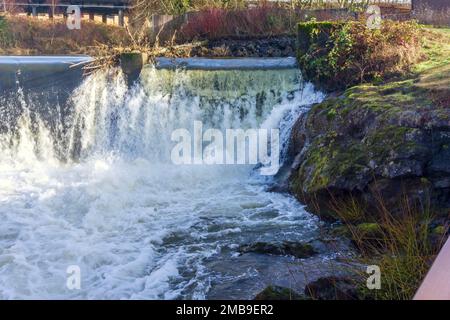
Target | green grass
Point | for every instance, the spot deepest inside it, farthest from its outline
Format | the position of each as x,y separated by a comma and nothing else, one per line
434,72
436,48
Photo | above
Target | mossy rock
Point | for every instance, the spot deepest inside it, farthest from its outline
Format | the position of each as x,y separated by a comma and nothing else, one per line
364,235
387,140
296,249
279,293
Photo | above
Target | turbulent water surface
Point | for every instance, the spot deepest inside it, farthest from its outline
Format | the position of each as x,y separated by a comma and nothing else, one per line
89,182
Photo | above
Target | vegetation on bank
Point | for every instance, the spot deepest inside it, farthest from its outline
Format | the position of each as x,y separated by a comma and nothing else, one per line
403,245
336,55
21,35
377,160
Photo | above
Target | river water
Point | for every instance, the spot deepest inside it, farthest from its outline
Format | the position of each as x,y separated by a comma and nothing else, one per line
89,182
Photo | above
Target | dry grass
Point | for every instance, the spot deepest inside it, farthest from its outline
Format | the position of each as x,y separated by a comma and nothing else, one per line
29,36
403,245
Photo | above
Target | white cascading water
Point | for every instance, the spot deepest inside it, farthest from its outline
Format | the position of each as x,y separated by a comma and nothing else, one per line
99,191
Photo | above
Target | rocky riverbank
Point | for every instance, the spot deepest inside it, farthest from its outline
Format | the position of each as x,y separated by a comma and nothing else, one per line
376,159
387,140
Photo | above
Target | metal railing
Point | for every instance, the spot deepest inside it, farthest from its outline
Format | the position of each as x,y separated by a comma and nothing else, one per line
436,285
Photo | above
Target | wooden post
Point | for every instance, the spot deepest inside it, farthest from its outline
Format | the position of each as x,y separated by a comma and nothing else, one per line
34,11
105,18
91,16
121,18
158,21
50,12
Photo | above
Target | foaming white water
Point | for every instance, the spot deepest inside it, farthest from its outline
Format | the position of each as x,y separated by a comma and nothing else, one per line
99,191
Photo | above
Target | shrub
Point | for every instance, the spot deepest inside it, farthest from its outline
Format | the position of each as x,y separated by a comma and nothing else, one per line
261,21
336,55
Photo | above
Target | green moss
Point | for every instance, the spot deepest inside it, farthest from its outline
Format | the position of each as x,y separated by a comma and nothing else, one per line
369,230
436,48
341,231
332,155
439,230
331,114
328,160
382,142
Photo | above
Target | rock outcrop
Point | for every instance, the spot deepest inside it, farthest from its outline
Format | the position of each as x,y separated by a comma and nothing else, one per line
387,142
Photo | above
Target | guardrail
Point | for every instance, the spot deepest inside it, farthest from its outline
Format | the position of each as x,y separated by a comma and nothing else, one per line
436,285
109,8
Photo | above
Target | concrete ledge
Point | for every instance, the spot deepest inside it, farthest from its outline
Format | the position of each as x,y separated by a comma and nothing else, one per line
40,71
226,63
40,60
37,71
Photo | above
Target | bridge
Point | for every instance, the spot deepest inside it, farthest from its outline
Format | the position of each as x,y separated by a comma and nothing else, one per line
104,8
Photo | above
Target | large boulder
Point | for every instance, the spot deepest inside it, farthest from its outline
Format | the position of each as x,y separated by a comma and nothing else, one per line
373,142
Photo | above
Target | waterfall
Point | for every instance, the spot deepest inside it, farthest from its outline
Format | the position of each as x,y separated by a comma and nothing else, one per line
88,181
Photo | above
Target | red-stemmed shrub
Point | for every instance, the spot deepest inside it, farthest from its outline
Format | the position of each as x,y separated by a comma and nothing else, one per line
260,21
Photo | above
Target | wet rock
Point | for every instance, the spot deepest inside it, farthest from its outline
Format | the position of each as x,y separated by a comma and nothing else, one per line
296,249
332,288
279,293
279,188
439,230
364,146
131,64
